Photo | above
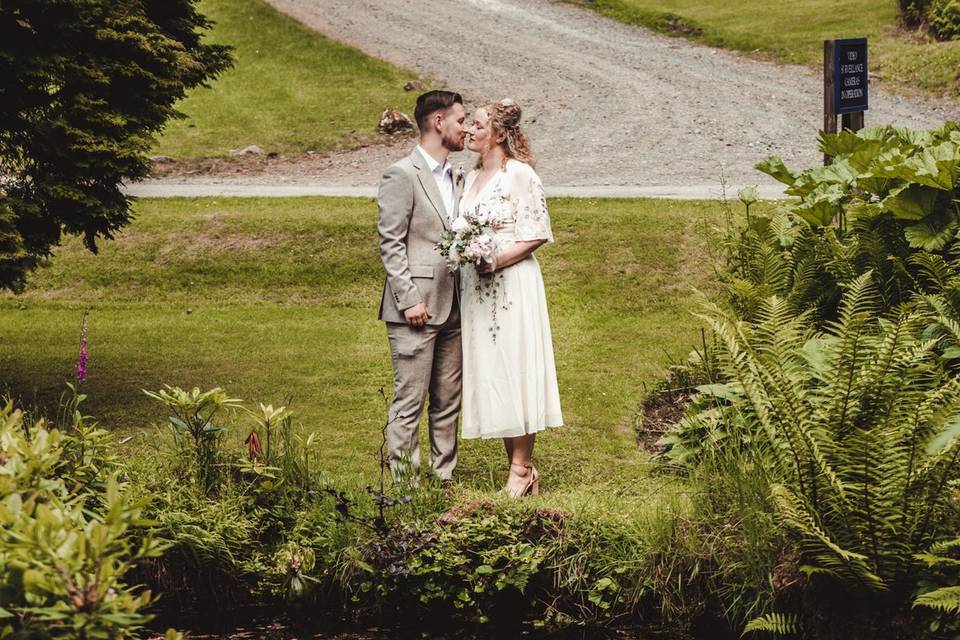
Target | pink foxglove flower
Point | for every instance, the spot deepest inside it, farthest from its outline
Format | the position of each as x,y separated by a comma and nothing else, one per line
83,355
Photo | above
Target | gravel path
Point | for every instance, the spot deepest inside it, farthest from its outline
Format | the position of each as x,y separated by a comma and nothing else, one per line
228,189
605,104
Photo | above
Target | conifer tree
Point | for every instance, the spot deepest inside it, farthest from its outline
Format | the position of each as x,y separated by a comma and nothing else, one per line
84,85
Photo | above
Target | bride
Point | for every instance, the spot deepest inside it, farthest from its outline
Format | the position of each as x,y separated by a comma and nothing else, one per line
509,378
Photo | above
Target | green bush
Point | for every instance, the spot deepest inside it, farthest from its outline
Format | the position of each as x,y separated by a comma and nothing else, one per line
198,431
833,400
67,543
854,430
266,529
889,195
85,84
943,18
914,12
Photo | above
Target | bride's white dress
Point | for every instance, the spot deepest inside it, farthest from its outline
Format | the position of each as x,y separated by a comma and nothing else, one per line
509,375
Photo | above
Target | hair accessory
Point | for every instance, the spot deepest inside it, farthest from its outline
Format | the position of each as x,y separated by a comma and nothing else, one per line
507,102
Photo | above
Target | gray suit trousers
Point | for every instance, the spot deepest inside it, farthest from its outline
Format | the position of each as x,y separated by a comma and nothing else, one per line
426,361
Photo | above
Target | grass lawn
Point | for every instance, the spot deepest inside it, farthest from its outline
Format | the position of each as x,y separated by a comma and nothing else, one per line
274,298
794,32
291,89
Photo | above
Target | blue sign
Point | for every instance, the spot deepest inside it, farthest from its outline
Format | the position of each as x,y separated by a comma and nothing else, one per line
850,75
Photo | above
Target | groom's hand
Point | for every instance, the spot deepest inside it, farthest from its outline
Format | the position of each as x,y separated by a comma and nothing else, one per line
417,315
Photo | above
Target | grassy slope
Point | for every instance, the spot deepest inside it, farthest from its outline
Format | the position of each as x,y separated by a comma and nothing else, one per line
291,89
269,298
794,32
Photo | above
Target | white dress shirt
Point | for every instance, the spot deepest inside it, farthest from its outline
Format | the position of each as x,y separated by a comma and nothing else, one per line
443,174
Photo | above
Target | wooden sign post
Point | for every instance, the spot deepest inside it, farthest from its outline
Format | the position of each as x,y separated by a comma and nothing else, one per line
845,91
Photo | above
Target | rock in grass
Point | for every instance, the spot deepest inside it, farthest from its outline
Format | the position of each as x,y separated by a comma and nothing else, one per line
392,121
413,85
252,150
161,159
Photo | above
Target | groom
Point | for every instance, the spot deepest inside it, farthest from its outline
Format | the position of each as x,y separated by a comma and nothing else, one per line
420,305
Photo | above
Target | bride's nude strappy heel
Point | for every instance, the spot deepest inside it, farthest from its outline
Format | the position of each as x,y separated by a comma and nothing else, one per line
533,481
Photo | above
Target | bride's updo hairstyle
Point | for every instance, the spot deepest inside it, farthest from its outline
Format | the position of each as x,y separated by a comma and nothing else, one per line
505,121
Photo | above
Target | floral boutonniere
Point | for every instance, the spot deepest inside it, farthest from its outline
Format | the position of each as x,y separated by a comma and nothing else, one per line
458,178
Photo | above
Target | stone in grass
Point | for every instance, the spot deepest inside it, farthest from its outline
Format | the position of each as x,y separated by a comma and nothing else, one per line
413,85
161,159
393,121
252,150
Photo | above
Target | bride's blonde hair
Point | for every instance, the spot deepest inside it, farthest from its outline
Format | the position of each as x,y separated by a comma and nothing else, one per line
505,120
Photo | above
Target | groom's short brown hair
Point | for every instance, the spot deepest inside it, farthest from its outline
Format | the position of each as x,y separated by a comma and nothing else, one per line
433,101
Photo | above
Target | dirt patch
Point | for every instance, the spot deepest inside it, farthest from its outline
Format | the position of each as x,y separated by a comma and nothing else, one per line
677,25
216,238
465,510
345,166
659,412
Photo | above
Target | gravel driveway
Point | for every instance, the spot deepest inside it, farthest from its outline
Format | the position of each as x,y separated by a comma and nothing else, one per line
604,103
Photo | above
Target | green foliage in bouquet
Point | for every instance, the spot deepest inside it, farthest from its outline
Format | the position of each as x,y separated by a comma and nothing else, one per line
66,543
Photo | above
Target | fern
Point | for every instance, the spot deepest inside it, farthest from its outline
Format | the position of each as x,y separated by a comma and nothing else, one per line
857,428
780,624
945,599
840,330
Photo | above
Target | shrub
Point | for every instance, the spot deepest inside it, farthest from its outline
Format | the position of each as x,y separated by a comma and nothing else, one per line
854,430
914,12
833,399
889,195
198,431
85,84
63,563
943,18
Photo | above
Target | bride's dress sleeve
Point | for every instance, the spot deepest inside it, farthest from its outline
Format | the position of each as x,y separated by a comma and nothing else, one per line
533,220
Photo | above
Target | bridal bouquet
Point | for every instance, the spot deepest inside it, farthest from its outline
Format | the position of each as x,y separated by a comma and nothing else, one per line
470,239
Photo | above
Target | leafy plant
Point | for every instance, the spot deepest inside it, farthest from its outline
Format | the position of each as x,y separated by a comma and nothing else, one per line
195,427
943,19
889,196
776,623
855,429
63,564
467,565
909,175
939,586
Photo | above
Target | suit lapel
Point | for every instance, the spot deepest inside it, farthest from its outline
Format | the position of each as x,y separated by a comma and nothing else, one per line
429,185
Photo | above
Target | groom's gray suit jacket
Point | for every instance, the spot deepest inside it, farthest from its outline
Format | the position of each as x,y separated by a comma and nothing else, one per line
426,360
412,218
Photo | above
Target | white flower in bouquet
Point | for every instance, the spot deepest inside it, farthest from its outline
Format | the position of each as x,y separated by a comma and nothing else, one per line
470,239
460,225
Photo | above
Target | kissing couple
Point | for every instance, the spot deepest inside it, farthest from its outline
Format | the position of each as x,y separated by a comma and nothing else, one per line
474,336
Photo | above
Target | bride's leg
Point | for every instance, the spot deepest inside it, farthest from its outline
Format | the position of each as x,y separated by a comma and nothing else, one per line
521,467
508,446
